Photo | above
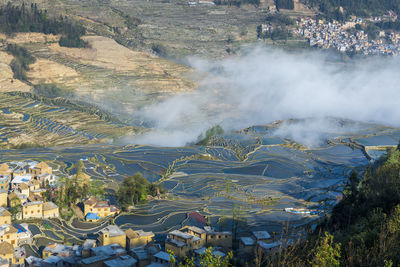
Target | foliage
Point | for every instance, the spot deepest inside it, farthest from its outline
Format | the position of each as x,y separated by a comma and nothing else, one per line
134,189
24,19
284,4
279,19
208,259
20,63
364,228
160,50
326,254
51,91
237,3
362,8
213,131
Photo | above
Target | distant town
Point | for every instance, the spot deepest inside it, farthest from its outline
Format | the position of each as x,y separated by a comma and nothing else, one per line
348,36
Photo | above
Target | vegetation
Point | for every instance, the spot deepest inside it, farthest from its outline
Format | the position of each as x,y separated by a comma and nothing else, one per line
160,50
22,60
215,130
51,91
364,228
135,189
331,8
31,19
208,259
75,189
237,3
284,4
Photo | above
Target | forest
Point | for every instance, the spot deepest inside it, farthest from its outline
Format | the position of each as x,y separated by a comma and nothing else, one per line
361,8
15,19
363,229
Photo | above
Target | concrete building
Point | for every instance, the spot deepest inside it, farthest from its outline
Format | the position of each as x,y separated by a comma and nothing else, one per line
218,239
5,181
5,216
39,169
112,234
137,238
181,243
9,234
125,260
32,210
3,197
95,209
50,210
7,252
61,250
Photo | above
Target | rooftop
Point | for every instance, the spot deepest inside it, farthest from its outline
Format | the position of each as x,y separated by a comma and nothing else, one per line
175,242
6,248
247,241
265,245
112,249
95,259
125,260
140,253
4,212
196,229
112,230
49,206
181,234
89,243
92,216
260,235
163,255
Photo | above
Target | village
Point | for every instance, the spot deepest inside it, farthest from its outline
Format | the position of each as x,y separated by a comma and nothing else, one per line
339,36
23,187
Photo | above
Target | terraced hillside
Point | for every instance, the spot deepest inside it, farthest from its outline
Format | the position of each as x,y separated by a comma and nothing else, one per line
29,121
182,29
269,173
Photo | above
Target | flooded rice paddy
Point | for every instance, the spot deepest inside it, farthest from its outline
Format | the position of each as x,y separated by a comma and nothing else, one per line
267,174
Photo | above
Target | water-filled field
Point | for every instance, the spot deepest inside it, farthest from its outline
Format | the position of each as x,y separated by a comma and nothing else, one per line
249,172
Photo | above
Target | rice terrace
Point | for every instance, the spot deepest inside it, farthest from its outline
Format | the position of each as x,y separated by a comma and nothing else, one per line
199,133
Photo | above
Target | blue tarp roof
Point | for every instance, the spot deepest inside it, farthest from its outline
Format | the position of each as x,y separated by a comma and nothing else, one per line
19,227
92,216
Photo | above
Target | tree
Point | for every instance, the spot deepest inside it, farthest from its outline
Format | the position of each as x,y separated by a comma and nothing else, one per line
326,254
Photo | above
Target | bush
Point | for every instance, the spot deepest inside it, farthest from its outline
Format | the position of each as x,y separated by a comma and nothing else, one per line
22,59
160,50
51,91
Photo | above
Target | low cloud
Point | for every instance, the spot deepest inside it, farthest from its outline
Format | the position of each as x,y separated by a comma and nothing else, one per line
265,84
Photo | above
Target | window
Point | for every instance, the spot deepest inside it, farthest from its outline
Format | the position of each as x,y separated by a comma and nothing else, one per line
12,242
26,212
8,236
38,211
31,211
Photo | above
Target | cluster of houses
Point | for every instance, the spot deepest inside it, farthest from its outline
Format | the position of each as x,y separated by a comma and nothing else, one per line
21,191
336,35
136,248
21,185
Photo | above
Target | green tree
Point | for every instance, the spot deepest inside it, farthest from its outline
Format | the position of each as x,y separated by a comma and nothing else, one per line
326,254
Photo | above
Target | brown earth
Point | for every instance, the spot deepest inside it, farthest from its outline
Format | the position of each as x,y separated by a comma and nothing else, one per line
7,82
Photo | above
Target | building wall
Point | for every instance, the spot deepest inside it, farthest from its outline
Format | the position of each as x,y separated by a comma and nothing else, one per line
3,199
219,240
105,240
180,252
10,238
54,213
32,211
137,242
5,219
8,257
